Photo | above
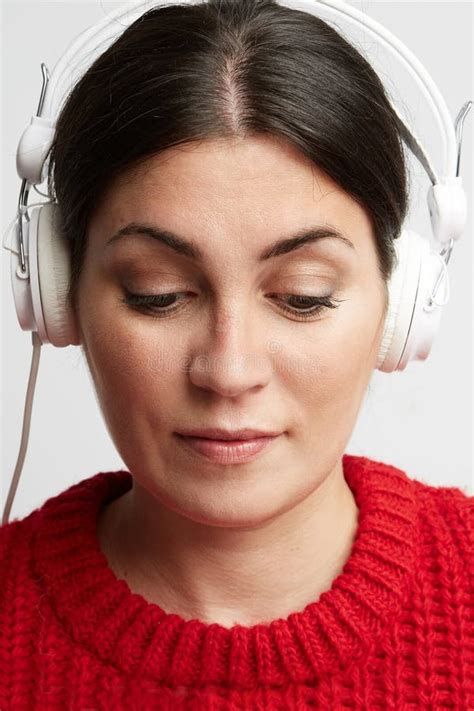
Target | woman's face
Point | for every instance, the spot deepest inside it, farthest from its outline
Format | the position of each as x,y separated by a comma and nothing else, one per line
230,349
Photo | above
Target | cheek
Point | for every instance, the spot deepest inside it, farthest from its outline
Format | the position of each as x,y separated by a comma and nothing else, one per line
135,395
334,359
125,360
133,365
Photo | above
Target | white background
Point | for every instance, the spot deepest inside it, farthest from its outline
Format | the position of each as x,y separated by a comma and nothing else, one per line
419,420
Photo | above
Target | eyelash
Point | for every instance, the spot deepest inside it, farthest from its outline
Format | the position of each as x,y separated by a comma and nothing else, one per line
148,303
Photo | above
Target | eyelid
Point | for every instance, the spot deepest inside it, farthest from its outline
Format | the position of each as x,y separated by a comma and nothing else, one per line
145,271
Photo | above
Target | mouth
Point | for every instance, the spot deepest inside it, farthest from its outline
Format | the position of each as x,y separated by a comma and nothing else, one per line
227,451
232,435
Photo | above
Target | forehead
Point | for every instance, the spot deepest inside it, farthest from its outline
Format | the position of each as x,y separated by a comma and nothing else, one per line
238,190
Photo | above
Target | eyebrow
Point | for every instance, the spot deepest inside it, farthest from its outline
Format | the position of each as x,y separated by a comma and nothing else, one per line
191,250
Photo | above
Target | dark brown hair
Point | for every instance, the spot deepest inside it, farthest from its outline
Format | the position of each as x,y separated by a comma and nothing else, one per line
229,68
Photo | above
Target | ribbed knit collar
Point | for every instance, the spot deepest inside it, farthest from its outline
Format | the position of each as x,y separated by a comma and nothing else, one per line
102,614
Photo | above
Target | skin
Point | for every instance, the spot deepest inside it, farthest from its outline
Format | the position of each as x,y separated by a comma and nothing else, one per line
230,543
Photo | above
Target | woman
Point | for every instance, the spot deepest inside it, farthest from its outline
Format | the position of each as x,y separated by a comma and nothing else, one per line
231,222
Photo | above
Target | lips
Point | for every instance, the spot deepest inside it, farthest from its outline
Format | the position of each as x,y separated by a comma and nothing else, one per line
218,433
227,451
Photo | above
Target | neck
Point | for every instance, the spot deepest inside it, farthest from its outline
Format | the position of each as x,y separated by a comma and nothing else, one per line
231,575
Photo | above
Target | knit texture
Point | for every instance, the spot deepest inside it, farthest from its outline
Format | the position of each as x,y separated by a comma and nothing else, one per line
394,631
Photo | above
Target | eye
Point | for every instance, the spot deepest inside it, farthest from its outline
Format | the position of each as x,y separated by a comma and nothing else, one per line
158,304
154,303
311,305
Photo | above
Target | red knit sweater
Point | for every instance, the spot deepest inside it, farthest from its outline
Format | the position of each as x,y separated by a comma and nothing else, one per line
395,630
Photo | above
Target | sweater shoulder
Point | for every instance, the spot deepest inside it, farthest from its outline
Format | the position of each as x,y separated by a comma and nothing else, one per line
446,516
14,532
15,555
447,499
18,530
16,535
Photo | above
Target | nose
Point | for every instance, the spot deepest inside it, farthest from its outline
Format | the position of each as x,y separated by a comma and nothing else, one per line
235,357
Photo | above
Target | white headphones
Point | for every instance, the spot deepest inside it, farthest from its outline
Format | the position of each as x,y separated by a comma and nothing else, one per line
40,270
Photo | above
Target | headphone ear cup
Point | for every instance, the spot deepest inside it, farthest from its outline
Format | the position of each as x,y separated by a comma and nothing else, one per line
410,328
53,269
391,345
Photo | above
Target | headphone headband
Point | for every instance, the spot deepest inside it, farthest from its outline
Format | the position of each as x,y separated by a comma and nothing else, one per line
96,39
446,197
